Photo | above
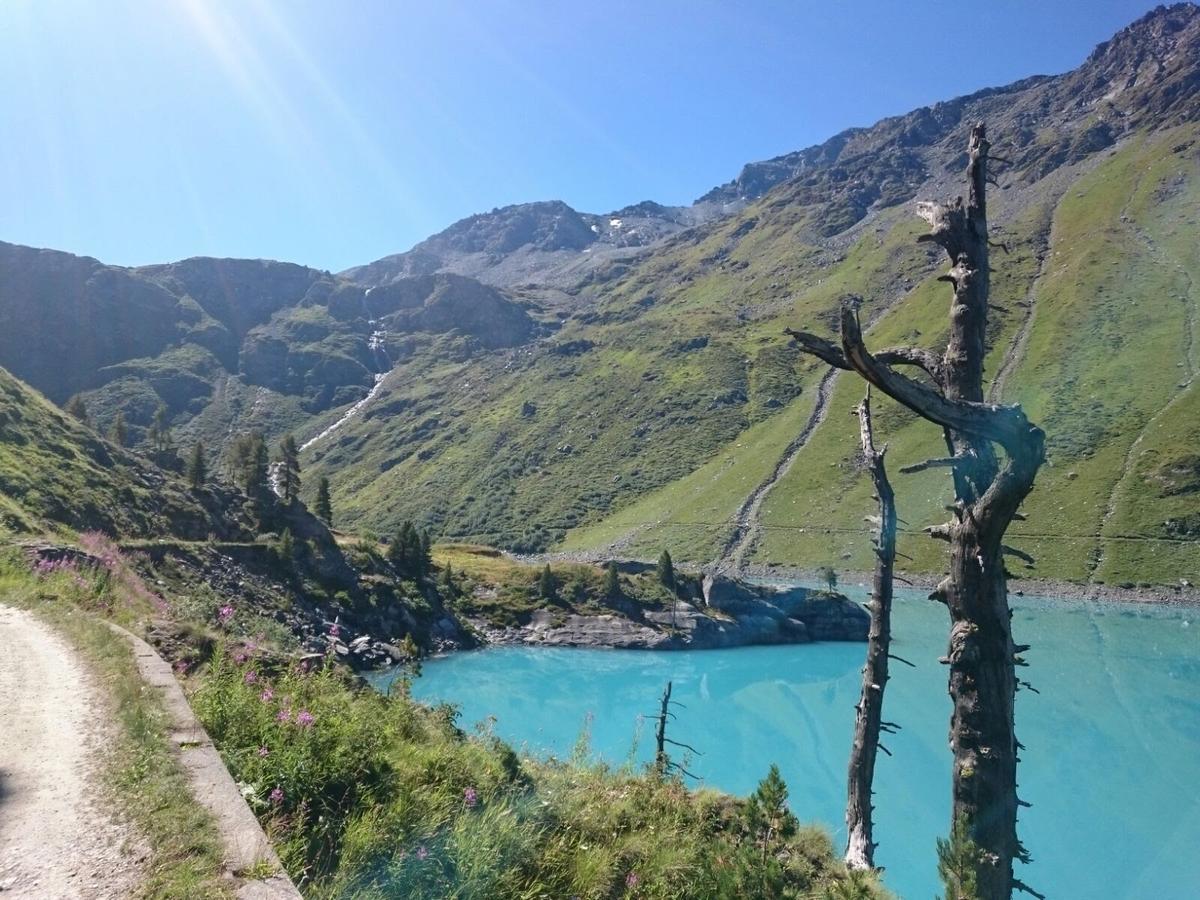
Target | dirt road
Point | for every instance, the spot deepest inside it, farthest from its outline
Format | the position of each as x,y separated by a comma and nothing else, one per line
56,840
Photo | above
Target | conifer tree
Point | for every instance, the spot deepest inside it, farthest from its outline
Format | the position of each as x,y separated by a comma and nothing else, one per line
258,466
289,469
160,430
197,472
287,546
768,815
828,575
612,581
666,571
77,409
409,551
248,463
546,586
324,506
118,433
424,552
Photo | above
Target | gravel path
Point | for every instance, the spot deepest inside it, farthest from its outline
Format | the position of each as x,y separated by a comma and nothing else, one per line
56,840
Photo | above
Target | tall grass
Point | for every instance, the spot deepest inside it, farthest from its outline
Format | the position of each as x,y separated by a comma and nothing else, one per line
367,795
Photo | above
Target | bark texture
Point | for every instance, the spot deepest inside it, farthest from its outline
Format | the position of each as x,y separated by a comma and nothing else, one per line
868,723
988,489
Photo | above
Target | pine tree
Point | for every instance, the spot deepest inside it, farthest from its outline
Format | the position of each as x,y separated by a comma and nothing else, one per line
160,430
118,433
324,507
248,463
289,469
957,859
258,467
449,589
197,472
412,656
405,551
546,586
424,552
77,409
828,575
666,571
287,546
767,813
612,581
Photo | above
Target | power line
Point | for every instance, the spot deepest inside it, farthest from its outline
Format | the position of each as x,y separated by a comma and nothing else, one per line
913,532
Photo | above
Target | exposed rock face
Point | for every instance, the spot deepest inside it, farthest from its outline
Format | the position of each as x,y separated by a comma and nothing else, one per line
547,243
51,301
736,614
174,334
445,302
1145,74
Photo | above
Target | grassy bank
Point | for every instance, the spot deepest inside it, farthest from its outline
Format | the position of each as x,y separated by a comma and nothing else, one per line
368,795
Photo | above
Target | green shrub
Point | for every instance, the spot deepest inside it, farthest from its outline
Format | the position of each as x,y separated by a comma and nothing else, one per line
369,795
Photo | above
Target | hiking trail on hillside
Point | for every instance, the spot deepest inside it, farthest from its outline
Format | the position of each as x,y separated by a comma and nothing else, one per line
57,839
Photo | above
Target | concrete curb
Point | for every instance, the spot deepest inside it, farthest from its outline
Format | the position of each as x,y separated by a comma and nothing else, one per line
245,842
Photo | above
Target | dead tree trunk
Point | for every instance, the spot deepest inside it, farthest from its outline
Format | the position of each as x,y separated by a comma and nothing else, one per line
988,492
663,764
868,723
661,760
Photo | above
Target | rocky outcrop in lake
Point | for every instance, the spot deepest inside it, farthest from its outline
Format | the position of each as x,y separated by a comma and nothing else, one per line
732,613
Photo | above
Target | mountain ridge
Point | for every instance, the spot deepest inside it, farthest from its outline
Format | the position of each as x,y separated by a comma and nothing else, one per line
631,369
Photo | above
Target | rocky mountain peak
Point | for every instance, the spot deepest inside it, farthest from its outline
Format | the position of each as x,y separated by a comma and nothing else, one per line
1157,35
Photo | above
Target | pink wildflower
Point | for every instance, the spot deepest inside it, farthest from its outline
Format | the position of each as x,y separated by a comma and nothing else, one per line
267,695
631,880
304,718
251,677
263,751
276,796
470,798
284,715
224,614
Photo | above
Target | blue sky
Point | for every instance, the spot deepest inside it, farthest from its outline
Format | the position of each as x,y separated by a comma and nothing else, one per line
330,134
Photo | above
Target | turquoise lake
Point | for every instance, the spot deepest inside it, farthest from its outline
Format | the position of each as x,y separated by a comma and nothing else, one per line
1112,765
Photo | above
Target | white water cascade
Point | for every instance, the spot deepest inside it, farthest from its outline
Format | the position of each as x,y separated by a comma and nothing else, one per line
377,343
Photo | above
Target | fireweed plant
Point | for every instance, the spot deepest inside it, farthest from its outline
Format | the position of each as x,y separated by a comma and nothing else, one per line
368,795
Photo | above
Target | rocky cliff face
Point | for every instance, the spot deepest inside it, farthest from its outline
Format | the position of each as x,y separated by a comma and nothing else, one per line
196,333
1145,74
545,244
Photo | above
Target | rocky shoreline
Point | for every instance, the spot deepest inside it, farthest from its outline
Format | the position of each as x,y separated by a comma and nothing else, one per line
731,613
1183,594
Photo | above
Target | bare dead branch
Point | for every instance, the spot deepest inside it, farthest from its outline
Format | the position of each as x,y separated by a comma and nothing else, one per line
829,352
941,462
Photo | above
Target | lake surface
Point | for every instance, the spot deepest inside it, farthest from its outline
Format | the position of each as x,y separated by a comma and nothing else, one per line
1112,765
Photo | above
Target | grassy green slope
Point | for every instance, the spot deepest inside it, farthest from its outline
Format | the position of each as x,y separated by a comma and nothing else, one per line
55,473
680,358
1114,324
